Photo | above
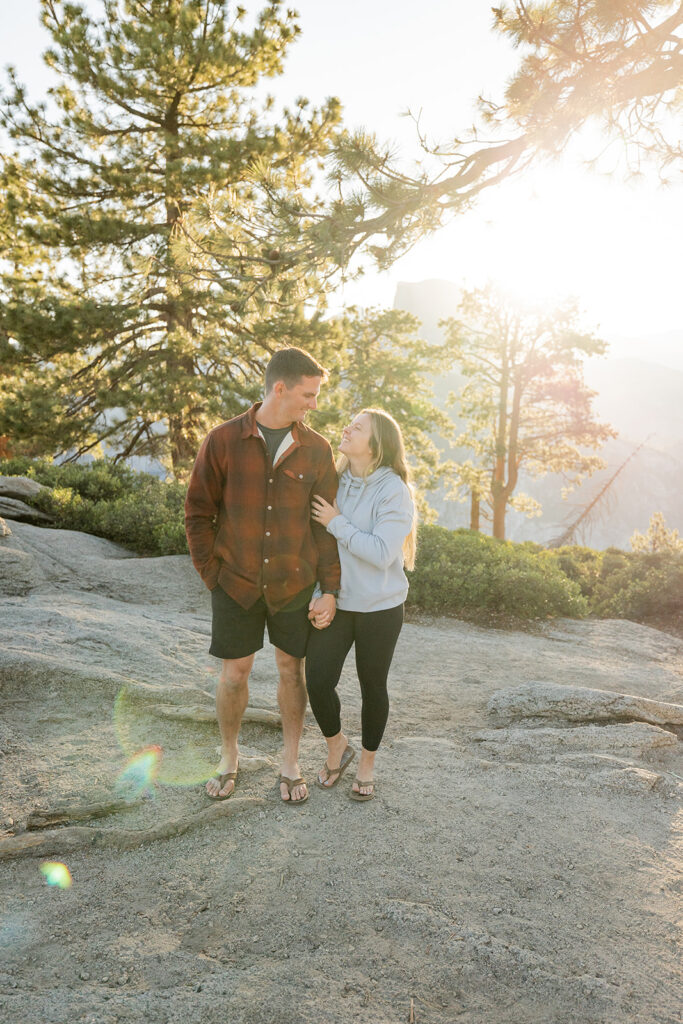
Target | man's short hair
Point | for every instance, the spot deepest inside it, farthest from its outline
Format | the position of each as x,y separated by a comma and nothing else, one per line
290,365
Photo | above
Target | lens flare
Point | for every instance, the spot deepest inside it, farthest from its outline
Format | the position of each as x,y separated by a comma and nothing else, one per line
57,874
187,744
139,775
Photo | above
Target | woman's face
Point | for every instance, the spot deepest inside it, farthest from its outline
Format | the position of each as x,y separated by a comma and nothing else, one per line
355,442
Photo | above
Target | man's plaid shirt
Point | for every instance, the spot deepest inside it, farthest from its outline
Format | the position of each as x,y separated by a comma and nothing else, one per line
248,523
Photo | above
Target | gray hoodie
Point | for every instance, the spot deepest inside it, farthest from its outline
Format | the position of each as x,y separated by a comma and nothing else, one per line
376,516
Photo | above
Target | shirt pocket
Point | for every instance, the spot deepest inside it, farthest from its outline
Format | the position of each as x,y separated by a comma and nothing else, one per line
304,478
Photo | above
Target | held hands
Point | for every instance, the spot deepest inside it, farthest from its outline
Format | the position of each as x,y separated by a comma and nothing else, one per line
322,610
322,512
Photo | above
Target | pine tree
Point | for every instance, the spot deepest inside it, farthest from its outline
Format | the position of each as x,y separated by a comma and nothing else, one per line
525,404
615,64
381,362
118,332
659,538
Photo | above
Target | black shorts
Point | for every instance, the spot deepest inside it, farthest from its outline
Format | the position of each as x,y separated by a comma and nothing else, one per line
237,632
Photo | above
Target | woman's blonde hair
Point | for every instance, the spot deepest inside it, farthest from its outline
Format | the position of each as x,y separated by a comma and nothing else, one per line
388,449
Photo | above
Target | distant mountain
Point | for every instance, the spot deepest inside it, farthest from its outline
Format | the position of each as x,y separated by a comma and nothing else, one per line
436,299
639,399
665,349
642,399
651,482
431,301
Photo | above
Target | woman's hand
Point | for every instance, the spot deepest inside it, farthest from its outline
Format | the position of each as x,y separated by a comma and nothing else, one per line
322,610
322,512
319,621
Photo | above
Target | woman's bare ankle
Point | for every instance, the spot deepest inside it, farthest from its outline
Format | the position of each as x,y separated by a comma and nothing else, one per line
366,764
336,745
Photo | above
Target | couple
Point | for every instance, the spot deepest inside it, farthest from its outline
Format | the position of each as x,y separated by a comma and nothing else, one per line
281,539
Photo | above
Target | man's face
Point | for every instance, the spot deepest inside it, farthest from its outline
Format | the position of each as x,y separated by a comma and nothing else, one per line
299,399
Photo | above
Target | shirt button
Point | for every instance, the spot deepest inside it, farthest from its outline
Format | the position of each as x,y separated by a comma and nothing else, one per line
269,507
267,533
301,476
265,559
271,480
265,585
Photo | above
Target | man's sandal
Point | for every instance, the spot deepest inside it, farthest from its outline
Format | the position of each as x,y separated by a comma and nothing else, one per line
292,784
347,758
221,779
362,797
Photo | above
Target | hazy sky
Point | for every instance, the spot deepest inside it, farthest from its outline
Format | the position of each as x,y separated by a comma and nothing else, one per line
560,230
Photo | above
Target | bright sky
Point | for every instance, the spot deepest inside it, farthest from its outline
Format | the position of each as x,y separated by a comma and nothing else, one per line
561,230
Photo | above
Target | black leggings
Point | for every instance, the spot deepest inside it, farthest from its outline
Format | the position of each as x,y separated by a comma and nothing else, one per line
375,635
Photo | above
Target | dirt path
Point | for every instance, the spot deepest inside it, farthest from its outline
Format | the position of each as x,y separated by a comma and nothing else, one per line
492,881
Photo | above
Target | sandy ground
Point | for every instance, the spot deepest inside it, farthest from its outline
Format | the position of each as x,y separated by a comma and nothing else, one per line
488,883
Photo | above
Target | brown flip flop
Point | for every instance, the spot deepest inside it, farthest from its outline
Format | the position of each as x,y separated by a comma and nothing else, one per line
347,758
362,797
292,784
222,779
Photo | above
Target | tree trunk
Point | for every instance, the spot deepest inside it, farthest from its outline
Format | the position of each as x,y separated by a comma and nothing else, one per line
474,511
499,491
183,450
499,508
178,314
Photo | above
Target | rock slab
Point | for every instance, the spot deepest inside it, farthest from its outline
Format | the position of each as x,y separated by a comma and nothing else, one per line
12,508
580,704
20,487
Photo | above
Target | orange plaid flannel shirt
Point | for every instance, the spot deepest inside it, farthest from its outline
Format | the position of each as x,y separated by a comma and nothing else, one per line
248,523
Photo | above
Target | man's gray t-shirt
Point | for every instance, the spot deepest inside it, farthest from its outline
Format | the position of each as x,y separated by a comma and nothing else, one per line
273,438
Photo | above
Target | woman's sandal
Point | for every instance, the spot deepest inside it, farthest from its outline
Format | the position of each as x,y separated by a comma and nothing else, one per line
362,797
292,784
221,779
347,758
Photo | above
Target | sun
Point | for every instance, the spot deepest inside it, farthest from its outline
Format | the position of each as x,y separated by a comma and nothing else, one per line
560,231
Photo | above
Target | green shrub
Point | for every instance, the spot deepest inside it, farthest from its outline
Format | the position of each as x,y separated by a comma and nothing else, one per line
639,586
109,500
582,565
100,480
150,520
459,572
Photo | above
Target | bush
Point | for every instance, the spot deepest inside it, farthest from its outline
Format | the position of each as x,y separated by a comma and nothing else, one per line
460,572
109,500
150,520
582,565
624,584
99,480
640,586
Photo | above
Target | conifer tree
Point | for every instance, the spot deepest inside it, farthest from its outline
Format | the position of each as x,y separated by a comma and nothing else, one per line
614,64
659,538
112,332
381,362
525,404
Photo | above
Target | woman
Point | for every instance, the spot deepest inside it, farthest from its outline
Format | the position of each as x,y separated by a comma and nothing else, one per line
373,520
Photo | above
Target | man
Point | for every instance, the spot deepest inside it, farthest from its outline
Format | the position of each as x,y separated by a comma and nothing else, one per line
251,538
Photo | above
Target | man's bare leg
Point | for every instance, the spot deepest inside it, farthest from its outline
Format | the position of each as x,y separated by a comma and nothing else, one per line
232,695
292,698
